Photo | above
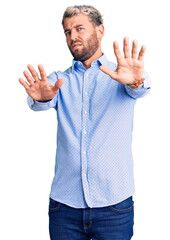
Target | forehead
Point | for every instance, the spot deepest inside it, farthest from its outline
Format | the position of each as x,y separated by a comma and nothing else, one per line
79,19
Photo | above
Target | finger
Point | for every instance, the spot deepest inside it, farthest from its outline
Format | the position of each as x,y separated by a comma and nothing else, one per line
142,53
24,84
126,47
108,71
42,72
134,49
57,85
28,77
117,51
33,72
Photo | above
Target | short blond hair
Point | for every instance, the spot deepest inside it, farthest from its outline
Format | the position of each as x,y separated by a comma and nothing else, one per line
94,15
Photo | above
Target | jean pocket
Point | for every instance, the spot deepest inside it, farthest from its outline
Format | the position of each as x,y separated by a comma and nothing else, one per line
54,205
125,206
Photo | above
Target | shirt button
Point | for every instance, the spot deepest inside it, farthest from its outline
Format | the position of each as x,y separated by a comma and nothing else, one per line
84,153
86,93
85,112
84,132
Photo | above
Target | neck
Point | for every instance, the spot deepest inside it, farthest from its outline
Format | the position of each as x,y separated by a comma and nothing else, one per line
88,62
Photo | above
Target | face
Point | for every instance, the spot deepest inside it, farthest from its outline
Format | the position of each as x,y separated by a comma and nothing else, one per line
81,37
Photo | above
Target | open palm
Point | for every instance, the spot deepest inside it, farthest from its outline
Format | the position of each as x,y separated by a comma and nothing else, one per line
130,68
39,89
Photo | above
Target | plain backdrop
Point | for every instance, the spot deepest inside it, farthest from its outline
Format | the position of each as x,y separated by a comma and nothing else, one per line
31,33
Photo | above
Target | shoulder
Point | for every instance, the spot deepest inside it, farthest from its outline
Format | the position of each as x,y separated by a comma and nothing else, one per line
65,72
55,75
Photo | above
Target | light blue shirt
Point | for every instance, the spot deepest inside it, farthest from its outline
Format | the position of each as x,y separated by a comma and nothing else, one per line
94,163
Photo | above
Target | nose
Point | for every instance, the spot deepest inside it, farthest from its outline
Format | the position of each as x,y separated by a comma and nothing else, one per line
74,35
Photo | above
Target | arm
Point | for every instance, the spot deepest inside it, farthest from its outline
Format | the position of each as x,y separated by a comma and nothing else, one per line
40,90
130,69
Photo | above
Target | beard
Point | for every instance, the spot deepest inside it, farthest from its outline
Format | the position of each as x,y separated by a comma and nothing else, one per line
86,52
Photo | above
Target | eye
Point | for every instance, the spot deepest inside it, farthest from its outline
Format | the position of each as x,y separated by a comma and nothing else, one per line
80,28
67,33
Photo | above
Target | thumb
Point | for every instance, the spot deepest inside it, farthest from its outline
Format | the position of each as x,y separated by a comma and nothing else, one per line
108,71
58,84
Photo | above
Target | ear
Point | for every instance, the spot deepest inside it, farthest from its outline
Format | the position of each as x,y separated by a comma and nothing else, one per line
100,31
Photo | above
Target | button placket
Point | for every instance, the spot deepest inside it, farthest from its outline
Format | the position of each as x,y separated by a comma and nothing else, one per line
84,140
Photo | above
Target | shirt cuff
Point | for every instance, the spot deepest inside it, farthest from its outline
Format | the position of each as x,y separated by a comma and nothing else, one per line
39,105
45,100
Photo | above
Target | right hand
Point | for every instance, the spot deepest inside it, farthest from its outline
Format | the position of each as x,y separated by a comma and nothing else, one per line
39,89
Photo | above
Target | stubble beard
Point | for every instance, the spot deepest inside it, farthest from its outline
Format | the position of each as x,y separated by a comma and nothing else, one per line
85,52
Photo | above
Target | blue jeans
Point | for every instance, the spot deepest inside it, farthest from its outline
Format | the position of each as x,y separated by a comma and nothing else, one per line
113,222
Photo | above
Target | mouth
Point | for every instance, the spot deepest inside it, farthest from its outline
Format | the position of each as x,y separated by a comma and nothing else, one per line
76,45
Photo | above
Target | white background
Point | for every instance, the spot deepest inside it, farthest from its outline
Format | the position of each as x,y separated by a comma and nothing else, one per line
31,32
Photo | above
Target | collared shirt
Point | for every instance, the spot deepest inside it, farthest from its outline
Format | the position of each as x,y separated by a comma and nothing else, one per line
94,163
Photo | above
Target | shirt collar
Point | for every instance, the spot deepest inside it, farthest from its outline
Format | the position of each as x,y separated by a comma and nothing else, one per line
102,61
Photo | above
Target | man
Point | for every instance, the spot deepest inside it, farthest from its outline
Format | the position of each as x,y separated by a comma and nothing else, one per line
92,190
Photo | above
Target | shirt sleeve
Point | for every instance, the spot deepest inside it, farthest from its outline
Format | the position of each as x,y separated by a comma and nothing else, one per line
40,106
142,90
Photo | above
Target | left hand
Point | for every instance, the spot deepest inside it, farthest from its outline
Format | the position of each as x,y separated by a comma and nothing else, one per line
130,68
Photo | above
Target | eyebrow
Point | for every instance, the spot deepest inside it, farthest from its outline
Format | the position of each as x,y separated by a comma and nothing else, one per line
80,25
